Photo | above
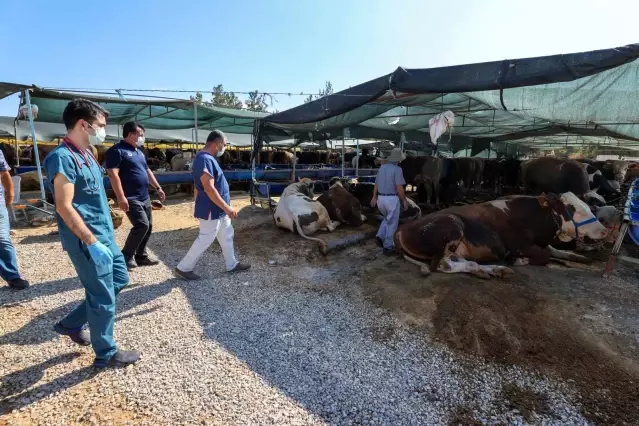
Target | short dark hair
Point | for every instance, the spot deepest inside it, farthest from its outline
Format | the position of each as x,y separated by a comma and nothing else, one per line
214,136
81,109
130,127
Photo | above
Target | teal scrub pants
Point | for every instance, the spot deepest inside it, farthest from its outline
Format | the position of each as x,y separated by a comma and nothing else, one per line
98,309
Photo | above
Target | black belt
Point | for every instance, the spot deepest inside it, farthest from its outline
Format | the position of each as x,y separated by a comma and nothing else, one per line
388,195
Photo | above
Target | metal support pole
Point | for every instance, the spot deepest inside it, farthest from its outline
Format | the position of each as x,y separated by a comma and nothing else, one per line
343,156
294,158
402,139
15,133
195,120
35,143
357,163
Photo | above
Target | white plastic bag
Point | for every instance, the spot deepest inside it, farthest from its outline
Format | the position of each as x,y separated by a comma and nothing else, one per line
439,124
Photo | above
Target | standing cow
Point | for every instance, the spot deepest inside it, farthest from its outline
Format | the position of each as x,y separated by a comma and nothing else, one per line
517,229
466,171
549,174
425,173
479,172
298,212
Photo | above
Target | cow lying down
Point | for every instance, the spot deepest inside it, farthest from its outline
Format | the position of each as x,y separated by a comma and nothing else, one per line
363,191
298,212
341,205
515,229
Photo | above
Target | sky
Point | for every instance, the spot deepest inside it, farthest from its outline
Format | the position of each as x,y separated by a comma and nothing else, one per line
284,45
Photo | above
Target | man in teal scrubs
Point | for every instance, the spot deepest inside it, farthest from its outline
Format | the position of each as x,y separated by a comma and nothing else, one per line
86,232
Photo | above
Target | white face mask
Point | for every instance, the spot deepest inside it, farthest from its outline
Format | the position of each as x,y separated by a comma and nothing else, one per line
99,137
140,141
220,152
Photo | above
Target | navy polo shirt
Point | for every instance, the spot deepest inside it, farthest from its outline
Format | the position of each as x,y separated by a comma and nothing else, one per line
204,207
133,170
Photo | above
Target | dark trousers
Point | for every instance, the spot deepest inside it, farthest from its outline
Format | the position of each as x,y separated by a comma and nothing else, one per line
140,216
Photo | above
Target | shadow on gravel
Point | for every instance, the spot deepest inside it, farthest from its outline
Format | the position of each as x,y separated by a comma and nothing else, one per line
296,326
10,297
12,392
40,328
49,238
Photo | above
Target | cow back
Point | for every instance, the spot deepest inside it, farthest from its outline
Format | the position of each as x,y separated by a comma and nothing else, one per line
341,205
549,174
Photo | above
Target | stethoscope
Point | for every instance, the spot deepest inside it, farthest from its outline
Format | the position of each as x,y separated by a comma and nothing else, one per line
85,156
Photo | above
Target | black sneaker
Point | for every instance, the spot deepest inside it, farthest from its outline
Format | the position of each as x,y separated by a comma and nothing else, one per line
189,276
390,252
240,267
79,335
379,242
120,359
18,284
130,264
146,261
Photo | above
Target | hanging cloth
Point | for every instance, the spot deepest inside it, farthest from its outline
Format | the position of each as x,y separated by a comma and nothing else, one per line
439,124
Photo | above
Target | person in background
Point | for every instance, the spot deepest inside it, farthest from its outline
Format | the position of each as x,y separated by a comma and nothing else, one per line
86,232
212,208
388,192
130,176
8,261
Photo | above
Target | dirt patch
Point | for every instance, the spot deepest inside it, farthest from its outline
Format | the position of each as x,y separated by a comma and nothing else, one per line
463,416
526,401
530,320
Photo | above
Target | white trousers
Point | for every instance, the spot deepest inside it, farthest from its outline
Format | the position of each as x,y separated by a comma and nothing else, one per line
390,208
209,229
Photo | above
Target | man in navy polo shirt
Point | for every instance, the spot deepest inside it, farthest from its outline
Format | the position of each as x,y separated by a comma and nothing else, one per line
212,208
130,177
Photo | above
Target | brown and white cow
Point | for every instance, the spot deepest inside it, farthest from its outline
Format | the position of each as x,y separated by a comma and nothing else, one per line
363,191
517,229
298,212
341,205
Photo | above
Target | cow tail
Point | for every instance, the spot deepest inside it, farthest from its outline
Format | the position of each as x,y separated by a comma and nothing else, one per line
322,243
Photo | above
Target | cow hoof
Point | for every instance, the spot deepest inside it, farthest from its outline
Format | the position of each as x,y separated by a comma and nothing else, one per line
480,273
503,272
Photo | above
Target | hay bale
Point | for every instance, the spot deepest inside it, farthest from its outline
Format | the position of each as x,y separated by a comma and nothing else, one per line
117,217
29,181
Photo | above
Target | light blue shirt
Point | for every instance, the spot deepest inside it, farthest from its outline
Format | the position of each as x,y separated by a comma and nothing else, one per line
388,177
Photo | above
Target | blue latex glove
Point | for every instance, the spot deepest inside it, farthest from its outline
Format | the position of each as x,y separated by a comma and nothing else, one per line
102,257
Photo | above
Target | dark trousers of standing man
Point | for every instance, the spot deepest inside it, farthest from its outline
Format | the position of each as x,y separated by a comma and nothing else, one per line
140,216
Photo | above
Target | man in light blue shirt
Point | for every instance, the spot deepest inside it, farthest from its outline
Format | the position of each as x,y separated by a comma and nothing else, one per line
389,191
212,208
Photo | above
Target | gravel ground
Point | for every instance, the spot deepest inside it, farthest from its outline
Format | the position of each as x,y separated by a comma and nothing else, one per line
294,343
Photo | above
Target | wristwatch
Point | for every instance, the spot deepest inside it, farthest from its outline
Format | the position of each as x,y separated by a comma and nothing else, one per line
158,188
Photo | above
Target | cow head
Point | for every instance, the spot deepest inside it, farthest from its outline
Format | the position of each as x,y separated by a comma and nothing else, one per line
619,169
306,187
611,218
577,220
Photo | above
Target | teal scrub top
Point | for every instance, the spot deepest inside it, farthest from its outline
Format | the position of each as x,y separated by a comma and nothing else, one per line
89,198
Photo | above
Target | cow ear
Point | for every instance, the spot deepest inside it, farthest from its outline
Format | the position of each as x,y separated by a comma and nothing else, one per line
543,201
